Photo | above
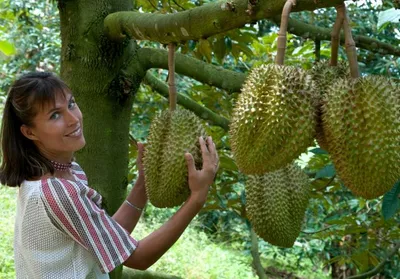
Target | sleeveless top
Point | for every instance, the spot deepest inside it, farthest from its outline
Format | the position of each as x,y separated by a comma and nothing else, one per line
62,232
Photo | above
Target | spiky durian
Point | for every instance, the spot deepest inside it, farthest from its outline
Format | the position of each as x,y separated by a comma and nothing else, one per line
273,121
324,75
171,135
362,127
276,203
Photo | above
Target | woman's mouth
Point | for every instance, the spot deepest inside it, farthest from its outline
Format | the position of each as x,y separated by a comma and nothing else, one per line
76,133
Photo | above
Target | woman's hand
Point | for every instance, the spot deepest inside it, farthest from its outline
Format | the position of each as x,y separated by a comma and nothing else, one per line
152,247
201,180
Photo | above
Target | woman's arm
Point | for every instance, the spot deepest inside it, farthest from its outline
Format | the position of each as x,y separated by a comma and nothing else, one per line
152,247
128,216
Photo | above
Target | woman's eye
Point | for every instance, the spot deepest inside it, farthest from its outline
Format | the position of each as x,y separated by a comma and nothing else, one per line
71,104
55,115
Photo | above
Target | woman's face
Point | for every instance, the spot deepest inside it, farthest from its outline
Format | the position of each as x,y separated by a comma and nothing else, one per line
57,129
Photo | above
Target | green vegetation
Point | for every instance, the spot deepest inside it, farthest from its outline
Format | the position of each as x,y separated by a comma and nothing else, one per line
7,208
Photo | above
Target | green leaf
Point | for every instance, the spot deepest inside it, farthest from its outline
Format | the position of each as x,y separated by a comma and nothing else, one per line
360,259
192,45
327,171
227,163
228,43
205,49
220,49
391,15
318,151
245,49
391,202
7,48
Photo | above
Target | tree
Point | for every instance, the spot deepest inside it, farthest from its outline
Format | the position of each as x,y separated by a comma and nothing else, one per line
104,62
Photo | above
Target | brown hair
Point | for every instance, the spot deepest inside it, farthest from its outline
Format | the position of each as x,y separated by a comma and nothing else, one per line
21,159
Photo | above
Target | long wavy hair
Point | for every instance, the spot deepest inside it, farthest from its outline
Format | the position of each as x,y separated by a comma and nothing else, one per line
21,159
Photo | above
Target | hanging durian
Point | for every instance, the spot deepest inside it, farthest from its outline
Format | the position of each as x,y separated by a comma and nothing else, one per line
276,203
273,121
361,120
173,133
324,75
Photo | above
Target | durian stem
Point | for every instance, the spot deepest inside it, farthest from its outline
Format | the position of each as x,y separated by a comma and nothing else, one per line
335,38
280,57
171,77
256,256
349,42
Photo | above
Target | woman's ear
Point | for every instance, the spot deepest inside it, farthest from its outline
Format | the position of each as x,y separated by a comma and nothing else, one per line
27,132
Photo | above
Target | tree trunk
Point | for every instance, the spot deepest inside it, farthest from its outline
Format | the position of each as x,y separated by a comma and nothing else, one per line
91,65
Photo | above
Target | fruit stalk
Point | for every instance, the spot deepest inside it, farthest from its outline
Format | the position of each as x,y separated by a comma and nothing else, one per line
349,42
171,77
335,38
280,57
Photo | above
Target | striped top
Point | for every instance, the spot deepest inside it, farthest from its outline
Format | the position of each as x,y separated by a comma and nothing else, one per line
62,232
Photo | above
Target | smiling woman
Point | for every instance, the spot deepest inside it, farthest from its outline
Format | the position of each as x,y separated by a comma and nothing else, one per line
60,229
57,128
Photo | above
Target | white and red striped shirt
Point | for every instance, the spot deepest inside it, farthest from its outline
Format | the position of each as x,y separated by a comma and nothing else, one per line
62,232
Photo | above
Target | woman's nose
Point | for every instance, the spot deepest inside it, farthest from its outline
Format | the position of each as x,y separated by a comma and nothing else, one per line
72,119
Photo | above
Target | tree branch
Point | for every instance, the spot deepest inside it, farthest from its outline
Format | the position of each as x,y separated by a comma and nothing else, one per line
206,73
200,111
199,22
378,268
309,31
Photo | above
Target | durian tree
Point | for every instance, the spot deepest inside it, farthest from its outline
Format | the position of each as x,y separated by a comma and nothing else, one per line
109,48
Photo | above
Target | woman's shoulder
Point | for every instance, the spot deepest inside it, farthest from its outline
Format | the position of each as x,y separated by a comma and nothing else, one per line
78,172
76,166
65,191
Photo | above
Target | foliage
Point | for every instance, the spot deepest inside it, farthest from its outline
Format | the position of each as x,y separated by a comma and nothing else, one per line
7,209
30,32
352,230
391,202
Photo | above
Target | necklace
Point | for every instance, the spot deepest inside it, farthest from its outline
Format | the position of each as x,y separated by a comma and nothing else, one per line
61,166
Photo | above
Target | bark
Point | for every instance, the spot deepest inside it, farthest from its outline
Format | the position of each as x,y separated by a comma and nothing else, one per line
315,33
93,67
200,111
191,67
200,22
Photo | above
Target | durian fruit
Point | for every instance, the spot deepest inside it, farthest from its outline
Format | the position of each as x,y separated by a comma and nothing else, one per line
172,134
362,126
324,75
276,203
273,121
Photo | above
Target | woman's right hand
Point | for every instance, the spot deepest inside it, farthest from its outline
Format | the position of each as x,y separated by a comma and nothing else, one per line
201,180
152,247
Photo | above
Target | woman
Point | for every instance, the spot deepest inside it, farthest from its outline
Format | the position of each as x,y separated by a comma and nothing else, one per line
61,230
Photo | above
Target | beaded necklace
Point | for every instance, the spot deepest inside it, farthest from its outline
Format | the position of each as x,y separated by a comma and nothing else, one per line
61,166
